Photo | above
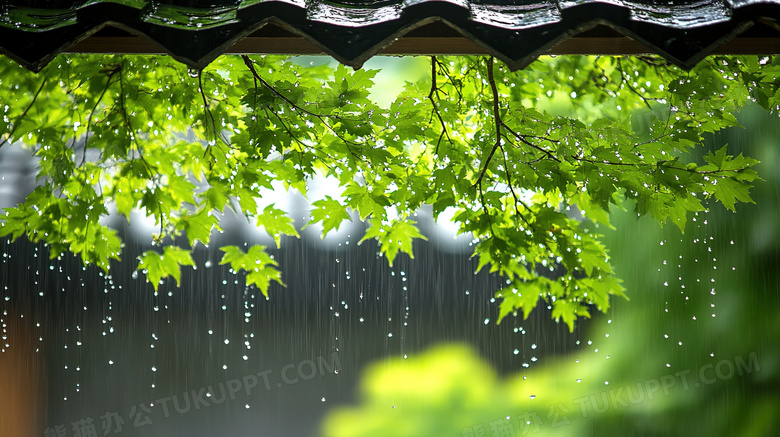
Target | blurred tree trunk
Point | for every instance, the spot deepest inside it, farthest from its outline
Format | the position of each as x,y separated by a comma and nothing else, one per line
20,380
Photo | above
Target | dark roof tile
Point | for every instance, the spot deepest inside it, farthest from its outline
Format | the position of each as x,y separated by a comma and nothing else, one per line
517,31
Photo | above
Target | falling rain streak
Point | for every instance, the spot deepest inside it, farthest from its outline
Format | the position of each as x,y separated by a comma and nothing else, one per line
116,334
691,276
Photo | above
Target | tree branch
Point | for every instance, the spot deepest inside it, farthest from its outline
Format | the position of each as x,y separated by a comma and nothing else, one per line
434,89
295,107
623,77
92,113
207,110
24,113
524,139
499,123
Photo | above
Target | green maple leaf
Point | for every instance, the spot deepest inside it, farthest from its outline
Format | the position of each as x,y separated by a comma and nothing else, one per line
125,196
217,196
276,223
591,210
728,191
330,212
198,226
106,246
520,295
716,158
397,236
259,265
161,265
366,203
233,256
262,277
569,310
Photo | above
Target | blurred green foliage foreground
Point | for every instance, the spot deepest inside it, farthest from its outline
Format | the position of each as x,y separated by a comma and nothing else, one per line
694,353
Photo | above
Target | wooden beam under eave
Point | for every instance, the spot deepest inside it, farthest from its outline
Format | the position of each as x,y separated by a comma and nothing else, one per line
449,45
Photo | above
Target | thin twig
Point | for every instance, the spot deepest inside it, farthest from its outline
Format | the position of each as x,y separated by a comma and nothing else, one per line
496,118
623,78
207,110
434,89
133,139
524,140
444,69
295,107
512,190
92,113
497,145
301,143
485,208
485,166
